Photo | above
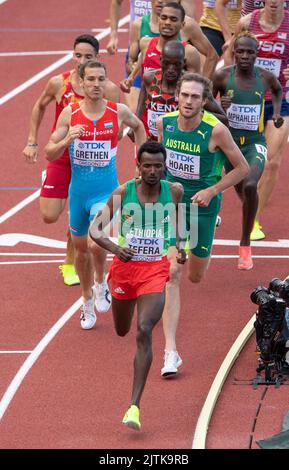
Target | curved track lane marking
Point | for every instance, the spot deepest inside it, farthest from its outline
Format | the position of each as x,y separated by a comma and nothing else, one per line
32,358
199,441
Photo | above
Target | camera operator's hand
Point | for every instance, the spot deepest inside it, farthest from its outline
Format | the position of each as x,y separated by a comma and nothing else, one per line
181,256
278,120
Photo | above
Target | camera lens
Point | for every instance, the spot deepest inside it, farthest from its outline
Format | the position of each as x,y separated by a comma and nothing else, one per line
276,285
260,295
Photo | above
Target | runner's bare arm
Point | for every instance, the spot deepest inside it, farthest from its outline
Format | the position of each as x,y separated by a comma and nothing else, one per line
192,57
160,129
189,8
221,139
146,84
215,108
125,85
63,135
220,81
193,33
177,191
272,83
134,44
126,117
219,88
112,92
114,18
102,220
221,14
49,94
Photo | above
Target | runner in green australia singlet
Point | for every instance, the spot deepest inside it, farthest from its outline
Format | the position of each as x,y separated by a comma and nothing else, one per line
190,163
145,229
242,88
197,144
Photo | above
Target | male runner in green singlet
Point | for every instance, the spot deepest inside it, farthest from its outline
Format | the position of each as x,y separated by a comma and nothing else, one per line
242,88
140,268
197,145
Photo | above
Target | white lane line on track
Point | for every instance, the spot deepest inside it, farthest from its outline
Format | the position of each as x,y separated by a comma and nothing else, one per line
11,94
32,358
31,254
44,261
15,352
199,441
19,206
110,257
44,53
3,1
57,30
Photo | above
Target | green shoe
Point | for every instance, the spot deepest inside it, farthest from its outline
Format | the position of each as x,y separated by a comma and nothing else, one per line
69,274
257,233
131,418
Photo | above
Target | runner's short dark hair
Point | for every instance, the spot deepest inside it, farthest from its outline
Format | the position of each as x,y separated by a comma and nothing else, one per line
177,6
151,147
94,64
246,34
88,39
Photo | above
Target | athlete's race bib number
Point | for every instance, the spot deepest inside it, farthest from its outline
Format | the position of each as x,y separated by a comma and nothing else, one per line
244,116
183,165
92,153
262,150
145,248
270,63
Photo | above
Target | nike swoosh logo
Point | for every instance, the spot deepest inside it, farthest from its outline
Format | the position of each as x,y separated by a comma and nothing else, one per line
152,54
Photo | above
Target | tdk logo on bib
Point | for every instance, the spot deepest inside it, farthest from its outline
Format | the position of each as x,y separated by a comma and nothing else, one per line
244,116
92,153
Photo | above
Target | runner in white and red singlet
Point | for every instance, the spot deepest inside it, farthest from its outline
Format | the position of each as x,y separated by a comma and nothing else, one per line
270,25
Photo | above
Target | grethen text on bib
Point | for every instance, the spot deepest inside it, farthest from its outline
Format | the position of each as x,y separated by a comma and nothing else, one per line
92,153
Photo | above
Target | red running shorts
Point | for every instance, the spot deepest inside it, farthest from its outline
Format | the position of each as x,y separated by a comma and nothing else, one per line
134,278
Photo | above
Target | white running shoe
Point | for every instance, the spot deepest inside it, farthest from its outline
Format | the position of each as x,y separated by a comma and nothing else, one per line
88,317
171,363
102,297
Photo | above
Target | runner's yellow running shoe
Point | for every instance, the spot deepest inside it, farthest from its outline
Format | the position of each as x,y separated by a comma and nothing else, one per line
69,274
257,233
131,418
